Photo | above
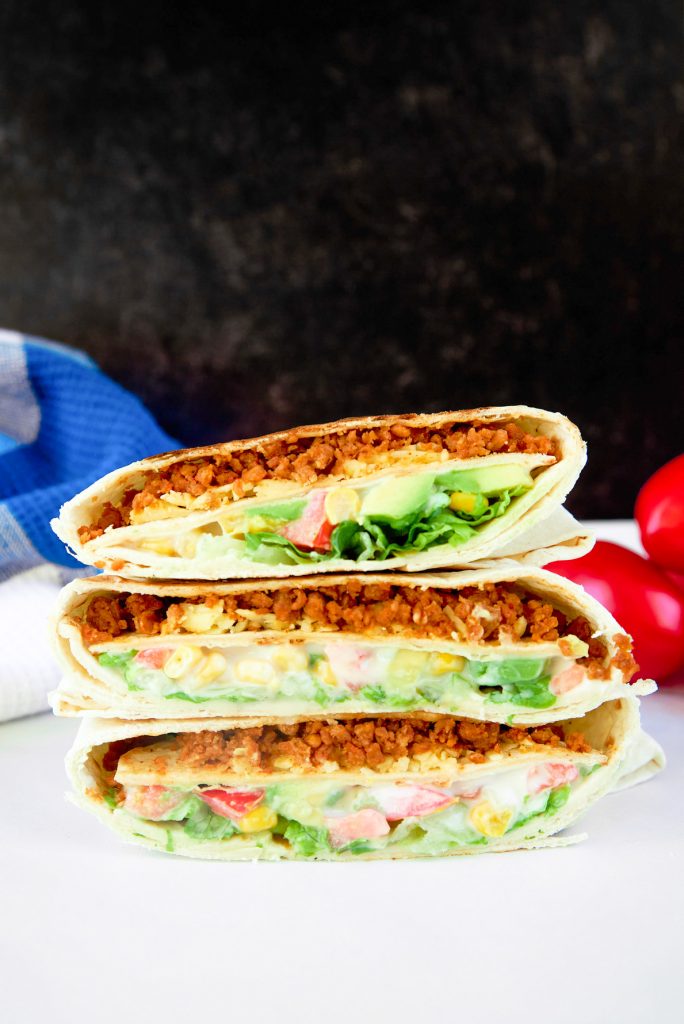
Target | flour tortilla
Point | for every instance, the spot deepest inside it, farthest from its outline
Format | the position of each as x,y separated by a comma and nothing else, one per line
86,690
527,532
610,729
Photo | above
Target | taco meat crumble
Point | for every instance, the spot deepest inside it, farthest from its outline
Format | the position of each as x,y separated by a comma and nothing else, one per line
306,459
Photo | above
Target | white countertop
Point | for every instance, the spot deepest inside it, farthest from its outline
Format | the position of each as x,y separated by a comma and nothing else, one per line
93,930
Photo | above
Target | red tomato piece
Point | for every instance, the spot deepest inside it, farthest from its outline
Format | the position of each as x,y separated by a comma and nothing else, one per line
659,512
232,803
567,680
152,802
365,824
153,657
645,602
312,530
410,801
548,776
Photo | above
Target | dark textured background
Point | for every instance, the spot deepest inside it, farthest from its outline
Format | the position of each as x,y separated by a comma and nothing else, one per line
261,218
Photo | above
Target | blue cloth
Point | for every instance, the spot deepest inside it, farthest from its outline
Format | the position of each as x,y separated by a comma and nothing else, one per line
63,425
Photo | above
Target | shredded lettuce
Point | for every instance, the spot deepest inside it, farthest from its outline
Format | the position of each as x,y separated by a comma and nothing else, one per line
380,537
201,823
123,663
520,681
378,695
306,840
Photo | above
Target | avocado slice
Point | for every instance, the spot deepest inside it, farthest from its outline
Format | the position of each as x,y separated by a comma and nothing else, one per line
487,480
398,497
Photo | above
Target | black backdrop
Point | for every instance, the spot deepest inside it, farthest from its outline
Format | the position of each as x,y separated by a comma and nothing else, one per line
256,216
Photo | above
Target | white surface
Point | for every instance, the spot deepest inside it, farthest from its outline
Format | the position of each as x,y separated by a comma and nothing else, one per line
92,930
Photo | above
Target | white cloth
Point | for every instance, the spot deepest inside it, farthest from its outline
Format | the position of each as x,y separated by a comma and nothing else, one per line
28,669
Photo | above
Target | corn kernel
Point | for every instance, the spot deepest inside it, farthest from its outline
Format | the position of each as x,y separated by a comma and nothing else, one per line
182,661
213,667
487,820
341,503
250,670
461,501
406,666
258,819
290,659
443,663
200,618
325,673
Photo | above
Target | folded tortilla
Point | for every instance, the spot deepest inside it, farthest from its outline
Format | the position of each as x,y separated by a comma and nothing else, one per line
408,786
412,492
510,644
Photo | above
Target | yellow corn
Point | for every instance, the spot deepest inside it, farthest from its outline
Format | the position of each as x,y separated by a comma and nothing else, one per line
406,666
251,670
258,819
341,503
182,661
213,667
290,659
461,501
487,820
443,663
325,673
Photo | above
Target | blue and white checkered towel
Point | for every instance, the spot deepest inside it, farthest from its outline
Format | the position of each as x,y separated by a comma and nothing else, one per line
63,424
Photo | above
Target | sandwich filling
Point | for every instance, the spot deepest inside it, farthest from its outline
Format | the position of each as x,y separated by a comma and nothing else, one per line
275,465
487,651
318,789
388,518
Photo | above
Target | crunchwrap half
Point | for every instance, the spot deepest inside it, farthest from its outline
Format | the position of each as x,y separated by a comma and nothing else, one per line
408,786
410,492
510,644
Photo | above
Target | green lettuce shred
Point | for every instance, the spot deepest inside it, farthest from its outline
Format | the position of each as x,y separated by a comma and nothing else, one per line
306,840
380,537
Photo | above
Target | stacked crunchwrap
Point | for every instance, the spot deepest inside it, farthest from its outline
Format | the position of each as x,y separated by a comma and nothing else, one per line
340,711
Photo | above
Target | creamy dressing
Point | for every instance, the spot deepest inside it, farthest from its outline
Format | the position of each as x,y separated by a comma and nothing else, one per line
321,817
320,675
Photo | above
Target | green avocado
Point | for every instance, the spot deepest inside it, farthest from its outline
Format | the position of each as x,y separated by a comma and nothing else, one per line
398,497
487,480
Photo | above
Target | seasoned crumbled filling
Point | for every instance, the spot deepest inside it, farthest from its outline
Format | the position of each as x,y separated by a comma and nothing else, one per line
376,743
305,459
491,613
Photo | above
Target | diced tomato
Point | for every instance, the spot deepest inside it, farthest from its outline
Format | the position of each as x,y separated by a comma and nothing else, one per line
153,657
548,776
322,539
312,529
567,680
352,666
232,803
410,801
366,824
152,802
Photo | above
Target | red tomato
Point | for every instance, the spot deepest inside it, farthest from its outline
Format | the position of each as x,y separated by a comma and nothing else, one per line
399,801
232,803
365,824
644,601
659,512
312,529
153,657
153,802
548,776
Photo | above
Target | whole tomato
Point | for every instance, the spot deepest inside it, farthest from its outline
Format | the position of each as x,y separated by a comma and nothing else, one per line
659,512
644,601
